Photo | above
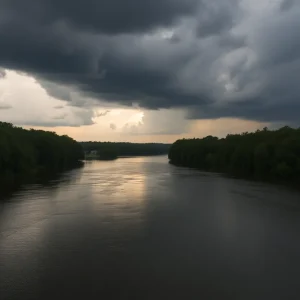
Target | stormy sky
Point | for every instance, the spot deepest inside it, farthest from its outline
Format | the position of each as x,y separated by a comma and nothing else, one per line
141,69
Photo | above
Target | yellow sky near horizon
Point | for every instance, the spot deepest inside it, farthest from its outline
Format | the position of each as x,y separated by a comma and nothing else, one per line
24,102
198,129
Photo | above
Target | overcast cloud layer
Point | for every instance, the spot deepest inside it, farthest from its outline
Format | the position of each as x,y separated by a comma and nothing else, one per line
221,58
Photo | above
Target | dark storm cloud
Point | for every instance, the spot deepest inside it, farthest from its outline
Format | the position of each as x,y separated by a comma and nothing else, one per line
216,58
250,111
106,16
216,17
287,4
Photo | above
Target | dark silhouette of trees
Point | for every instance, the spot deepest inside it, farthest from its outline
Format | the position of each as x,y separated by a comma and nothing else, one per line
108,150
264,154
30,151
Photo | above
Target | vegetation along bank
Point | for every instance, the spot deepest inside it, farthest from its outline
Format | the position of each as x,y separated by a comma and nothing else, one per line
264,154
109,150
24,152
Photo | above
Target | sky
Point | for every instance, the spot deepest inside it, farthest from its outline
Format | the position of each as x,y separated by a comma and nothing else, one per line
149,71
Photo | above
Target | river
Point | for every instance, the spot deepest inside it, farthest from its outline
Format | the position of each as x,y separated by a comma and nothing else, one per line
140,228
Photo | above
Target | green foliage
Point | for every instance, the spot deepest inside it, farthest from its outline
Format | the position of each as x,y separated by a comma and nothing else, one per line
262,154
25,151
108,150
283,170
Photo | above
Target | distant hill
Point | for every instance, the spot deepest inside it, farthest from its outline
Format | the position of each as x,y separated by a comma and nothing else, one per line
104,150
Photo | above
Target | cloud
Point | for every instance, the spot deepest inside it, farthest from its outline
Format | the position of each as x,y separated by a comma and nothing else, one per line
5,106
287,4
58,107
2,73
214,58
49,124
32,106
60,117
156,122
102,114
112,126
216,17
108,16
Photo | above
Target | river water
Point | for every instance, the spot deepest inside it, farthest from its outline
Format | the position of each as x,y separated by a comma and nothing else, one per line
140,228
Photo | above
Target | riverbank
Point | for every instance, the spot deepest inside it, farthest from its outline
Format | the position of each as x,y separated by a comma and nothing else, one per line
11,183
264,155
26,154
294,185
120,149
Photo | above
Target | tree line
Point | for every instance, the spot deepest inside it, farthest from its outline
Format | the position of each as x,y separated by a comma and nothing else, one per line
30,151
264,154
109,150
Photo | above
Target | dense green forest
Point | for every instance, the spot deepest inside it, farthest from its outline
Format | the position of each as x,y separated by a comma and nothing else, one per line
108,150
264,154
25,152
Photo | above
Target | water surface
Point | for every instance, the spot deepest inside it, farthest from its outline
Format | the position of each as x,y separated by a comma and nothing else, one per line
139,228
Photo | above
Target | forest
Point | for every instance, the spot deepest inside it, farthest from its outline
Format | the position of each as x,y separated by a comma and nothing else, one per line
263,155
24,152
109,150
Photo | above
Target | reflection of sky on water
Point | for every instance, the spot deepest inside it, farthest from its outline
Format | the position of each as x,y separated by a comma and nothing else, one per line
143,216
117,197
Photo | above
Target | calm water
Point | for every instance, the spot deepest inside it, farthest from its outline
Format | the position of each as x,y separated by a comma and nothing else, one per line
139,228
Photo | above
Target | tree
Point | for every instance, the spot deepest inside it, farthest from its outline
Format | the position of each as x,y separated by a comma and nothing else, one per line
263,154
27,151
